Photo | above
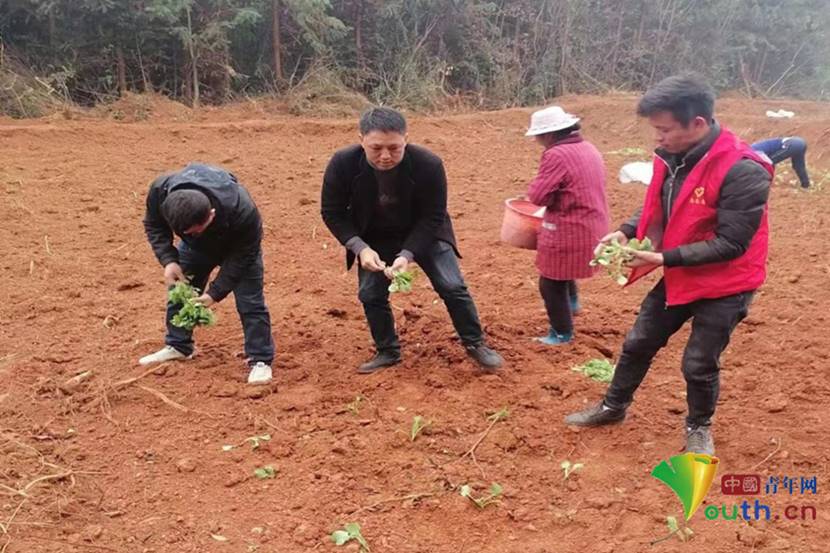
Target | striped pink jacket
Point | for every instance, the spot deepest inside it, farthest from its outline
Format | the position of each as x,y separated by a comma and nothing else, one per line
571,184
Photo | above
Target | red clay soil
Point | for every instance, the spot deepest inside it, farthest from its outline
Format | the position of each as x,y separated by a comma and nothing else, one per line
108,465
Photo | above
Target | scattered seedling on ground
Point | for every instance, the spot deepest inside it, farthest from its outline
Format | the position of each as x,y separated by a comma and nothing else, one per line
354,406
402,281
494,418
484,501
255,442
191,313
629,152
819,181
350,531
499,415
615,256
600,370
683,534
418,424
569,468
265,473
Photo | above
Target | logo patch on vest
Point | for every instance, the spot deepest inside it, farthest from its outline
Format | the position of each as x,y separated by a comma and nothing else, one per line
698,198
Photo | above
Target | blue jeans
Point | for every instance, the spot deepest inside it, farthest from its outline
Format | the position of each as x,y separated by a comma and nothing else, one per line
441,267
795,150
250,304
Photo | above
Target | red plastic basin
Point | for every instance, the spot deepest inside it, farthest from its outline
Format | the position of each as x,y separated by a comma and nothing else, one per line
520,226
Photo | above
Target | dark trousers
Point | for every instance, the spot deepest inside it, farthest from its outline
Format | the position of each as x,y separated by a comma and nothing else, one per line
559,296
794,149
712,324
250,304
441,267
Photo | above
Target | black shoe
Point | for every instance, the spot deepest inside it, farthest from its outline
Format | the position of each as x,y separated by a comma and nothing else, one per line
488,359
699,440
381,360
595,415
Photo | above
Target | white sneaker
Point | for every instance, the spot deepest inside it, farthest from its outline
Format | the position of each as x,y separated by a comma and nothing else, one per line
167,353
260,373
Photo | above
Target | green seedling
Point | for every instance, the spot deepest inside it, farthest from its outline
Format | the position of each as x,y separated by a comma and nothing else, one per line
265,473
630,152
499,415
191,313
615,256
683,534
255,442
569,468
354,406
482,502
418,424
402,281
600,370
351,531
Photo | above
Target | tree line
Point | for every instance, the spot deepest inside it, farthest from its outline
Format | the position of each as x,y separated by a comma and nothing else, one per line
413,53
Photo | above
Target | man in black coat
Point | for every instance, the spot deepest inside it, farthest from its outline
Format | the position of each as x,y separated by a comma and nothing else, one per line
219,225
386,202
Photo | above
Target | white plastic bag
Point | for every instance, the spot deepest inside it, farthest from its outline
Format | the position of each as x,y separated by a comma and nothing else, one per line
636,171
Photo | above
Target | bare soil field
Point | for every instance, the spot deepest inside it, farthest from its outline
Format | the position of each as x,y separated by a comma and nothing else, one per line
118,464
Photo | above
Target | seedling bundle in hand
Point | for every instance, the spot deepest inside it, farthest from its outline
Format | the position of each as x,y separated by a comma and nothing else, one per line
615,256
402,281
191,313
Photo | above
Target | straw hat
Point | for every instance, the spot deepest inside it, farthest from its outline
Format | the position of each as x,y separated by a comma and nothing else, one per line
550,119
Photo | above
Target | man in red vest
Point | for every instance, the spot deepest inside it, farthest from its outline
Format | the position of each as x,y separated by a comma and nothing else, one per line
706,214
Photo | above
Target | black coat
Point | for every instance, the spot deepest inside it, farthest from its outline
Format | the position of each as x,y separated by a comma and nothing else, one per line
350,194
232,240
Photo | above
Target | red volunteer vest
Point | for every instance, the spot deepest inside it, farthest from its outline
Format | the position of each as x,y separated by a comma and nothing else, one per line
694,218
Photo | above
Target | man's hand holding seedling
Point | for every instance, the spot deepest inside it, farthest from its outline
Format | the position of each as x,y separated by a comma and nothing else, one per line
622,240
205,300
399,266
615,255
173,273
642,258
370,260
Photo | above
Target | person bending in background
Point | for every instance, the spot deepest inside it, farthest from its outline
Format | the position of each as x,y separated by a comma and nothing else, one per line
571,186
793,148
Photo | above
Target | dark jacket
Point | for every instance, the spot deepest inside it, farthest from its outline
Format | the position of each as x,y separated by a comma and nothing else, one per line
350,196
233,238
743,197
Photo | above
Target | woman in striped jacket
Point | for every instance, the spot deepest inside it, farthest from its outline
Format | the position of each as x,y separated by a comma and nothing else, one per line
571,186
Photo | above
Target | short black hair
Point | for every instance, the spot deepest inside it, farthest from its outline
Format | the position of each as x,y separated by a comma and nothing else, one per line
685,96
382,119
183,209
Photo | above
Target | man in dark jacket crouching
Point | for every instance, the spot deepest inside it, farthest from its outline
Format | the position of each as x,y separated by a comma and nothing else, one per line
219,225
